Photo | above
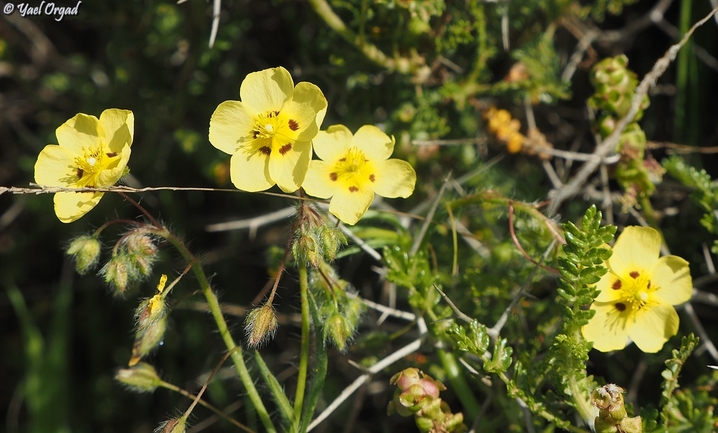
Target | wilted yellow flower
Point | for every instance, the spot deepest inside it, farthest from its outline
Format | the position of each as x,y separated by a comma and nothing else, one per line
353,168
91,153
269,133
638,293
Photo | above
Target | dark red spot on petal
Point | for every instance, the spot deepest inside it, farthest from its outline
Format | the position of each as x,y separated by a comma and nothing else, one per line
286,148
111,154
372,178
333,177
634,274
265,150
353,189
620,306
256,133
293,125
276,113
80,172
648,286
616,285
342,159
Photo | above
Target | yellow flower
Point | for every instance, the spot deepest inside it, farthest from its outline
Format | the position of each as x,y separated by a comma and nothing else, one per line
638,293
269,133
354,168
91,153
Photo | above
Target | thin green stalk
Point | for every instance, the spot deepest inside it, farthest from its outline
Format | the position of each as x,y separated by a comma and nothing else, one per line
304,355
372,52
217,411
459,384
215,309
682,73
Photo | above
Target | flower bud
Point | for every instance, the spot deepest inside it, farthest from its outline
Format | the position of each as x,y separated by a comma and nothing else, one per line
339,330
612,411
142,251
260,325
147,339
139,378
307,250
174,425
85,250
118,272
330,238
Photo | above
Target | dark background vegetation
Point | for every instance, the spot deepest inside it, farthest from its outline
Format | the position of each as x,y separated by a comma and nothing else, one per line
152,57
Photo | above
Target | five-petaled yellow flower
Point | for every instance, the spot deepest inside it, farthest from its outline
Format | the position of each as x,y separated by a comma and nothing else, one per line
638,293
354,168
269,133
91,153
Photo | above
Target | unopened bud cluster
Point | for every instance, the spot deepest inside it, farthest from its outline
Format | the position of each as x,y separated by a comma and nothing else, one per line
612,416
505,128
338,306
131,261
615,88
417,395
151,321
315,242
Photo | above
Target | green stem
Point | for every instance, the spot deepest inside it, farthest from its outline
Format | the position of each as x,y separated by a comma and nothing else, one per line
215,309
459,384
304,355
400,64
217,411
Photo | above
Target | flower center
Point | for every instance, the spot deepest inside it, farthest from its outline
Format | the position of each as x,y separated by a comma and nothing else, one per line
89,166
274,132
353,171
636,291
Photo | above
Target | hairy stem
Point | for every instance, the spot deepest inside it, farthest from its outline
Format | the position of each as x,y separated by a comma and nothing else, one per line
304,355
215,309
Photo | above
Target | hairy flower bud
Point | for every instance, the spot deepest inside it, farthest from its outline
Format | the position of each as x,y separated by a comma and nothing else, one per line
85,250
330,238
118,272
139,378
260,325
339,330
147,340
142,251
174,425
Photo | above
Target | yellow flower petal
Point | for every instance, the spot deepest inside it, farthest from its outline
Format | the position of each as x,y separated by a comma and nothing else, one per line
115,169
376,145
289,168
332,144
673,277
654,327
607,329
230,127
267,90
306,111
119,127
80,132
318,181
350,206
55,167
250,171
605,286
70,206
636,248
394,178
